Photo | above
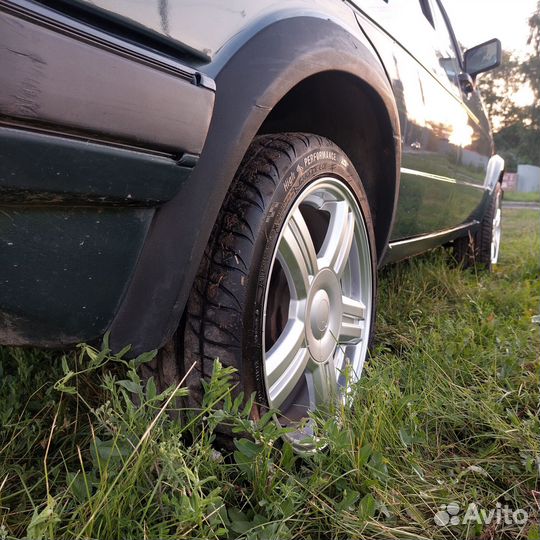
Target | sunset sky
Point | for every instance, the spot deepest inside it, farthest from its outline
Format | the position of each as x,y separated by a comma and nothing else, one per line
476,21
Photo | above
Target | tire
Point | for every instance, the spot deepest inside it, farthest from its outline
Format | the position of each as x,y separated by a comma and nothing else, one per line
480,248
293,238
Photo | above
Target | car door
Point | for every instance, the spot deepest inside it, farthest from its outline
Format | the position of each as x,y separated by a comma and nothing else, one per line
423,64
472,138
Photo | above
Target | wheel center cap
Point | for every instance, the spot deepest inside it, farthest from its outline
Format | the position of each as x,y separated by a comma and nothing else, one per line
323,315
320,313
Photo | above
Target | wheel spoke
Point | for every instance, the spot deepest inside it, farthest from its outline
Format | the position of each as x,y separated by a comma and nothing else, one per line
284,350
497,219
340,361
291,375
348,366
321,383
353,320
336,247
296,254
496,236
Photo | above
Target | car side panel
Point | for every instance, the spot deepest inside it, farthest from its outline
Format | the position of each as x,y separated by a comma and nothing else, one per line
63,270
204,28
95,134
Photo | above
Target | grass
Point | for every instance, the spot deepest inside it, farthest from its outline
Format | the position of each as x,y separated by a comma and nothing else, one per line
516,196
447,411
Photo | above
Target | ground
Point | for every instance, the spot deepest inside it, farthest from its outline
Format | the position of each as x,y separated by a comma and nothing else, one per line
516,196
446,416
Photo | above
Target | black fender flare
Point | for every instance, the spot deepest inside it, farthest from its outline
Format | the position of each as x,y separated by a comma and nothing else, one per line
253,80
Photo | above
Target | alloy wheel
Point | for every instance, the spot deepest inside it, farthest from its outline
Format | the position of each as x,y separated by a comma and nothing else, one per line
317,308
496,231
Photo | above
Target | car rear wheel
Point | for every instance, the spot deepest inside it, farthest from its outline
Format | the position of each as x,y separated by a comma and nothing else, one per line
481,247
285,292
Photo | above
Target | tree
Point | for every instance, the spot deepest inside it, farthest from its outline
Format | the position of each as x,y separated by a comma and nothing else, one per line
517,129
532,66
497,88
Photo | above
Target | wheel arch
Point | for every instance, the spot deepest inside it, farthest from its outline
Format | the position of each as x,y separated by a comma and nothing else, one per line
348,111
289,54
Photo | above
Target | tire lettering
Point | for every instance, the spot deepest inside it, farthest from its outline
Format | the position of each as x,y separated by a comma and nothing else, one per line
274,207
319,155
289,181
321,167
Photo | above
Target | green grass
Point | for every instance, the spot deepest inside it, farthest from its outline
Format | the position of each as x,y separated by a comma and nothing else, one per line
515,196
447,411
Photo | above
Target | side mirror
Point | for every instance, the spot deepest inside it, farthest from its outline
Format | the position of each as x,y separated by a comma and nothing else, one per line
483,57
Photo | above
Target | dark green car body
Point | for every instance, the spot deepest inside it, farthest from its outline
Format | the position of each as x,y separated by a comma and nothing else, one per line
122,124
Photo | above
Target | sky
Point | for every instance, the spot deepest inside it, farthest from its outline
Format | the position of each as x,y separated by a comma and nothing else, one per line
476,21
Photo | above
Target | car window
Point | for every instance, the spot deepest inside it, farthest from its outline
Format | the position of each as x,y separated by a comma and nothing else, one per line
444,45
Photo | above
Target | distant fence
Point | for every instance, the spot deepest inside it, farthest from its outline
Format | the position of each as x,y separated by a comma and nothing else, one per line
509,182
527,178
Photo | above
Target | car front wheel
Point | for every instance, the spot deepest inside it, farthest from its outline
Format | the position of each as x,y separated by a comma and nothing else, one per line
286,290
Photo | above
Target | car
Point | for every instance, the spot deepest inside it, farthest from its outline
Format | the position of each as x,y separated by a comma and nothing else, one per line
223,180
